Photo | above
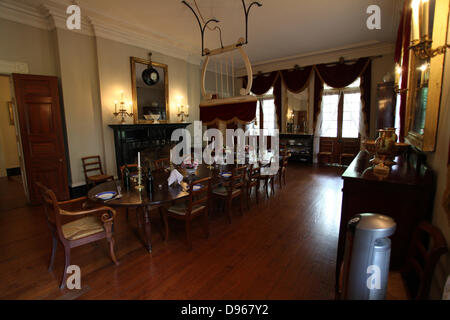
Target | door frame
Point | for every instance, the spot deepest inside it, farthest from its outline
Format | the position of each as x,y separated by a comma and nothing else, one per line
17,128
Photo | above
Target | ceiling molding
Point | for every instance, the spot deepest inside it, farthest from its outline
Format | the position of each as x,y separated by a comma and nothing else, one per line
365,49
24,13
52,14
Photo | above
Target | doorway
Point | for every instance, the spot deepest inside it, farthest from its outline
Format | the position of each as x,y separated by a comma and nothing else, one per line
341,122
12,189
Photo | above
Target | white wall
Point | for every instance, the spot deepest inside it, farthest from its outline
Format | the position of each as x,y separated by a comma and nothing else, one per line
92,71
115,75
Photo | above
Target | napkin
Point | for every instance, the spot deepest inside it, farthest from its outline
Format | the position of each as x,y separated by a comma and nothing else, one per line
175,176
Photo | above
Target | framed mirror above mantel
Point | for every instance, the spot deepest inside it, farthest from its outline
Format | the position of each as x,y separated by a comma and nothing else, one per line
426,66
150,89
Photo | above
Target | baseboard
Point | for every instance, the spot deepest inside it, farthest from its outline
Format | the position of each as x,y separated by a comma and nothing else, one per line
13,172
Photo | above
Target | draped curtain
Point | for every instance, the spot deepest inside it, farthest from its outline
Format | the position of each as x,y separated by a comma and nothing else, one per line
242,112
295,80
340,76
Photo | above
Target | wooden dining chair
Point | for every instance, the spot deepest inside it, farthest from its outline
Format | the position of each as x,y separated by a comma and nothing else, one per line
161,164
94,164
283,169
268,176
131,167
196,205
414,279
231,189
89,227
253,180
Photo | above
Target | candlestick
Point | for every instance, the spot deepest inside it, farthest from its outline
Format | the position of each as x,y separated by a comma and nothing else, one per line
139,185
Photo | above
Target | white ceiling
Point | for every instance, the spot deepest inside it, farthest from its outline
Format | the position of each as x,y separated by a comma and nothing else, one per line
278,29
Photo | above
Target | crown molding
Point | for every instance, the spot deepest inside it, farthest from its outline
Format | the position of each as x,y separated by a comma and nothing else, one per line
51,14
24,13
355,51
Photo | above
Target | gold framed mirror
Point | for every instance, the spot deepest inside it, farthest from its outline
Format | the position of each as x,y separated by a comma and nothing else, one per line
426,68
150,89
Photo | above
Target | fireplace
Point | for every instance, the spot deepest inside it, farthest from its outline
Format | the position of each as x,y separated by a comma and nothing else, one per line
152,140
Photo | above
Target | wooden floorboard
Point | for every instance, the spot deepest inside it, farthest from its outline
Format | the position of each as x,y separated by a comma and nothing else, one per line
285,248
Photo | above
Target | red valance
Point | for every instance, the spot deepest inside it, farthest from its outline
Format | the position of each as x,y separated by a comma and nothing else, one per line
240,111
341,75
297,80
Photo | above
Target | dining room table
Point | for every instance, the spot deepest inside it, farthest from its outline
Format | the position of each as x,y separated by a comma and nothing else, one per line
163,194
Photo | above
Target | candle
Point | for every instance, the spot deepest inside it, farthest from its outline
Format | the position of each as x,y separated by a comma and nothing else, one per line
121,96
425,15
139,159
415,19
115,106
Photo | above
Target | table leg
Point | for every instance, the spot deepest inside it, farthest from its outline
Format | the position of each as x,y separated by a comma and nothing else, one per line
147,229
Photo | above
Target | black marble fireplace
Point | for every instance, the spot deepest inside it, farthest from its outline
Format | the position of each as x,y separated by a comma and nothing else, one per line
152,140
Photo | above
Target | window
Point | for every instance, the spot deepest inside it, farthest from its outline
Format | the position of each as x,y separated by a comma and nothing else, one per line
266,117
341,121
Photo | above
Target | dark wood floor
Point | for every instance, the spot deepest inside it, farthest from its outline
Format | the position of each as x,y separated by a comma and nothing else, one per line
285,248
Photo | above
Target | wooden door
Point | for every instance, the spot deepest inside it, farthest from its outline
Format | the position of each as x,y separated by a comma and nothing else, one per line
41,134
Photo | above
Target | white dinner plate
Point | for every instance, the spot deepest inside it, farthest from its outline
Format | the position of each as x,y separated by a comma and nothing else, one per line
106,195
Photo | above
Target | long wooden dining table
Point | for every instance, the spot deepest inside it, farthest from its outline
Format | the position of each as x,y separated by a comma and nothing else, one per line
162,194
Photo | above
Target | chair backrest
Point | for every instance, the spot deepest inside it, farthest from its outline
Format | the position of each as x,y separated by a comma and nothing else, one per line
427,246
161,164
284,161
51,207
129,166
201,196
350,146
253,173
237,179
326,145
91,164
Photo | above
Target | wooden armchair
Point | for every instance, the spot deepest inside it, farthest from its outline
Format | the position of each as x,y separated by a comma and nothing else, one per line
326,150
94,164
88,228
131,167
232,189
253,175
196,205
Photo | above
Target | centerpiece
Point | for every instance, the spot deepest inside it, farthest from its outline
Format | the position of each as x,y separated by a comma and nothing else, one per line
189,165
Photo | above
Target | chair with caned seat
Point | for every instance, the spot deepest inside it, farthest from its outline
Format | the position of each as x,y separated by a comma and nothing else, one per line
349,150
93,164
92,224
268,175
232,188
326,149
283,169
253,174
196,205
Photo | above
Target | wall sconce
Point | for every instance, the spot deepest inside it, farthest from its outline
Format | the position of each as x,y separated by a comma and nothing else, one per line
122,111
182,113
421,43
398,76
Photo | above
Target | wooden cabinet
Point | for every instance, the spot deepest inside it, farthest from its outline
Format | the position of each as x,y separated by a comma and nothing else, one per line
299,145
406,195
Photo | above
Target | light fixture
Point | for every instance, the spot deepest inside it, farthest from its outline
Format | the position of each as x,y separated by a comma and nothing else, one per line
181,110
421,43
398,76
122,111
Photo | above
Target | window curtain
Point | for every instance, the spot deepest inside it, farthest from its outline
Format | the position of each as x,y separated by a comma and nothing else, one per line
242,112
340,76
318,91
364,87
296,80
402,59
262,83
